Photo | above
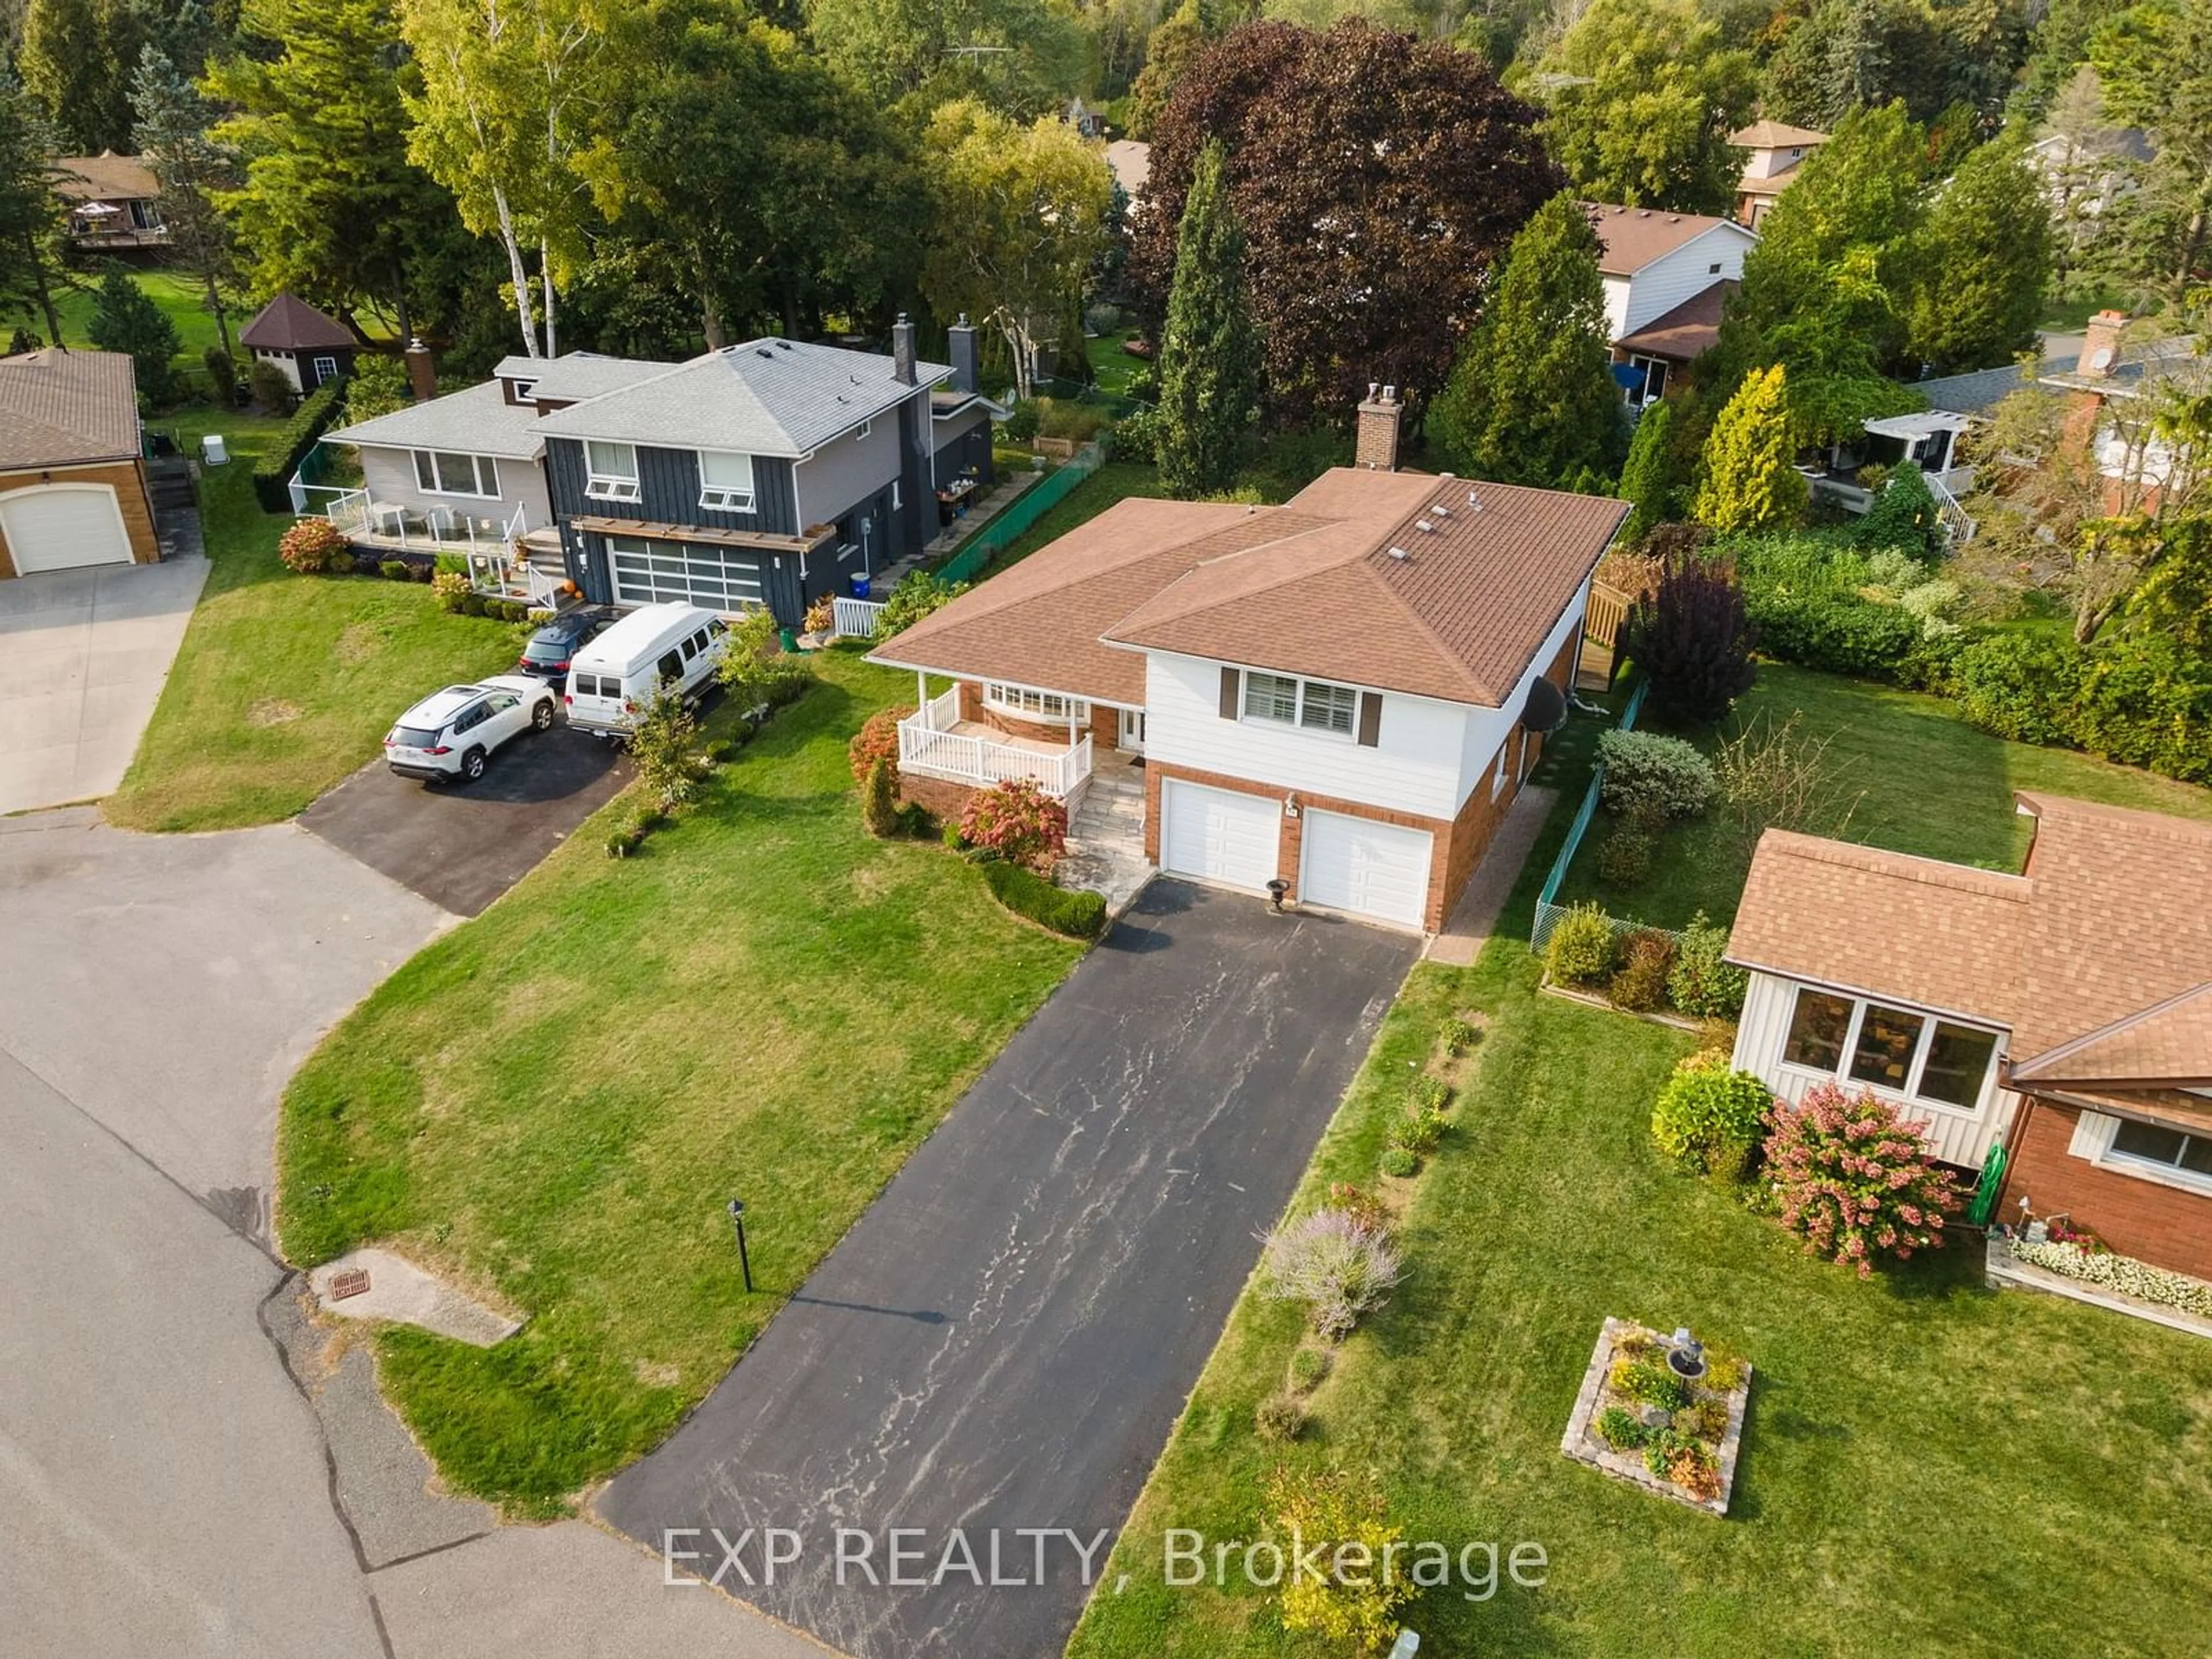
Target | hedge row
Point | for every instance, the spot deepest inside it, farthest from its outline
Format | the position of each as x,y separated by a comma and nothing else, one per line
1079,914
314,416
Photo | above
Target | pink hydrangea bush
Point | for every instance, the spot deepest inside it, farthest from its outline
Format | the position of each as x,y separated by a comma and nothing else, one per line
1855,1182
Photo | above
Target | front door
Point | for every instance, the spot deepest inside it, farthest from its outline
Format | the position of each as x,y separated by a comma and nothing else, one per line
1132,738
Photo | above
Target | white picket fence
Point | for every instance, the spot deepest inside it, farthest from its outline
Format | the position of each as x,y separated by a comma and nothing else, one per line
855,618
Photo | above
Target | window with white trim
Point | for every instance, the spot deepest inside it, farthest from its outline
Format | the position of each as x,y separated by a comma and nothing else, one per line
325,369
609,471
1314,705
526,392
2168,1149
444,473
862,430
725,481
1899,1051
1034,705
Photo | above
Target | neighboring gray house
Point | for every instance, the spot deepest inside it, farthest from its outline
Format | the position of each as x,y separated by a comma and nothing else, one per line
769,473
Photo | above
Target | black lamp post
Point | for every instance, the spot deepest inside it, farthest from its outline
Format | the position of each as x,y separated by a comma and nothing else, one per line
737,1220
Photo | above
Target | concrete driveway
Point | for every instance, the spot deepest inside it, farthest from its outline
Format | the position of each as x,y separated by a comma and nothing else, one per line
83,654
1005,1339
461,845
177,1480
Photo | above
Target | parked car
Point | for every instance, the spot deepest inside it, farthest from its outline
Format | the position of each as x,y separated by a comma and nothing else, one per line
656,645
554,647
452,733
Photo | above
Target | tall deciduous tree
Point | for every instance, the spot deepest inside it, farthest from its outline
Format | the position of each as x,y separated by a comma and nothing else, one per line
329,204
1020,215
1209,354
1988,261
505,99
1021,57
1377,178
2155,63
1532,398
1640,98
190,169
1749,481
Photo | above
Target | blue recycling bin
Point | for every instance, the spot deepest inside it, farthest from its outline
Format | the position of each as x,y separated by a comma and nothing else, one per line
859,587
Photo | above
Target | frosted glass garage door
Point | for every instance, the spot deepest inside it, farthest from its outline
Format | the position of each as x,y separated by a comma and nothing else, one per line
649,572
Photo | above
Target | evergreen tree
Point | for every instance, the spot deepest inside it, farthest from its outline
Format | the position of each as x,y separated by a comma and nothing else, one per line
77,59
1749,483
1988,262
1649,477
329,204
1531,399
125,319
189,168
1209,353
30,212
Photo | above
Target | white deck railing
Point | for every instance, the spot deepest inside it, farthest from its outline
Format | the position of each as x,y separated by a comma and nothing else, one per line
411,529
1958,523
928,744
856,618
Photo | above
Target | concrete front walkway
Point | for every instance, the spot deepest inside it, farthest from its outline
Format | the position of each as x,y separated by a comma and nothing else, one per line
83,654
1003,1340
1473,918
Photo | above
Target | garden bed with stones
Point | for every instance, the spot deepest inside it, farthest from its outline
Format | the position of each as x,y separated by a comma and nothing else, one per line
1686,1451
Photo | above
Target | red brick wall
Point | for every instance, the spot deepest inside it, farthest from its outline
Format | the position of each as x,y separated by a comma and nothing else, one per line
2163,1226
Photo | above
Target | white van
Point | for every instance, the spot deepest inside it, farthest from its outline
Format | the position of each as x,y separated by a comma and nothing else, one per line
612,676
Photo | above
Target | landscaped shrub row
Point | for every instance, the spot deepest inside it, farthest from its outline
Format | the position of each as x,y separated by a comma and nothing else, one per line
1078,913
1645,969
272,477
2134,697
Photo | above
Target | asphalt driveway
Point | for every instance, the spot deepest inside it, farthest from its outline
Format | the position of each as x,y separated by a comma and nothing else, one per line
461,845
83,654
1005,1339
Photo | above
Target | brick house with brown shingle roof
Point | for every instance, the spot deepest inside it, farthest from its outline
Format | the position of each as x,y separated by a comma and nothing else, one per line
72,481
1340,693
2064,1013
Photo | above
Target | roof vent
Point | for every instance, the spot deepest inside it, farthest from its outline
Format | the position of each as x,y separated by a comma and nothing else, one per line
1441,510
1425,527
1399,553
765,352
783,345
1474,502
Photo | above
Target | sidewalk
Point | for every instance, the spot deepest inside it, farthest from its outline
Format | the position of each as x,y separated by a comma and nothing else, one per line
1476,913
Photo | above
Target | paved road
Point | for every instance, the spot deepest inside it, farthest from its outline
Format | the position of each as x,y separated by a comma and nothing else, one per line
83,654
166,1489
1004,1339
461,846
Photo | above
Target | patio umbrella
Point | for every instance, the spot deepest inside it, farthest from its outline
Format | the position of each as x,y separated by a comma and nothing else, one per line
98,211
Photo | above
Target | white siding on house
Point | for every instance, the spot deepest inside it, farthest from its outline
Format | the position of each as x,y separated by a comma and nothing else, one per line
1488,728
1414,767
390,476
1631,303
1956,1137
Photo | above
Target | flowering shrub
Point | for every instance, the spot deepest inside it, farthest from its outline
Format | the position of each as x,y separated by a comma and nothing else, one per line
1855,1182
1337,1263
878,740
1018,821
449,588
314,547
1708,1114
2119,1272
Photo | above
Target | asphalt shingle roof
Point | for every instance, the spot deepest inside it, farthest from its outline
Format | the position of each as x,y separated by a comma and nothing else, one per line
476,421
290,323
60,408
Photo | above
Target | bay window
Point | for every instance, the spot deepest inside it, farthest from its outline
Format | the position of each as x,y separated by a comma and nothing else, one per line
1034,705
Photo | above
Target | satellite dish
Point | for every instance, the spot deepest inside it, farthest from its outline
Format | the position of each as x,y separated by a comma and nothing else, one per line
1545,711
2102,358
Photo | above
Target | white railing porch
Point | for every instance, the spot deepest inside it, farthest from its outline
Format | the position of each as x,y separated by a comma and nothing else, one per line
856,618
929,744
372,523
1958,523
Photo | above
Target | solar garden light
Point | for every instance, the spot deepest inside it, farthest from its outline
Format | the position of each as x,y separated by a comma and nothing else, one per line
737,1220
1686,1358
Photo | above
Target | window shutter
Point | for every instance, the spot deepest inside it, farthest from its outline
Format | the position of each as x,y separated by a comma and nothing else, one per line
1370,718
1232,689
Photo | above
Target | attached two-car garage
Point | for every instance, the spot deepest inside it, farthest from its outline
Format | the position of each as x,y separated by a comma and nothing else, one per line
60,526
1357,866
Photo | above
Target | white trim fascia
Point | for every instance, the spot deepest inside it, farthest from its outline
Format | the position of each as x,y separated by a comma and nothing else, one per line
977,678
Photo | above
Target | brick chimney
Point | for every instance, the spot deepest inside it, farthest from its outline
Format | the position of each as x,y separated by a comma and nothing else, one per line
1377,449
422,374
902,351
2100,344
960,346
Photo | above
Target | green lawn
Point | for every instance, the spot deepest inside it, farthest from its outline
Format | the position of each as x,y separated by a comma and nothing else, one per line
1111,366
178,294
555,1101
1929,1467
284,684
1928,783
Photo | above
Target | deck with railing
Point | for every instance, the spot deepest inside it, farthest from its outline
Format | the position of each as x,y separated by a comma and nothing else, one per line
934,741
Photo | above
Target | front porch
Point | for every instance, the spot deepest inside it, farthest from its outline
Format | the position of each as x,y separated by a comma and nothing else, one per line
936,741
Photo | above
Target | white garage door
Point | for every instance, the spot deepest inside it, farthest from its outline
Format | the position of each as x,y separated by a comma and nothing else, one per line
1365,868
1219,835
59,526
